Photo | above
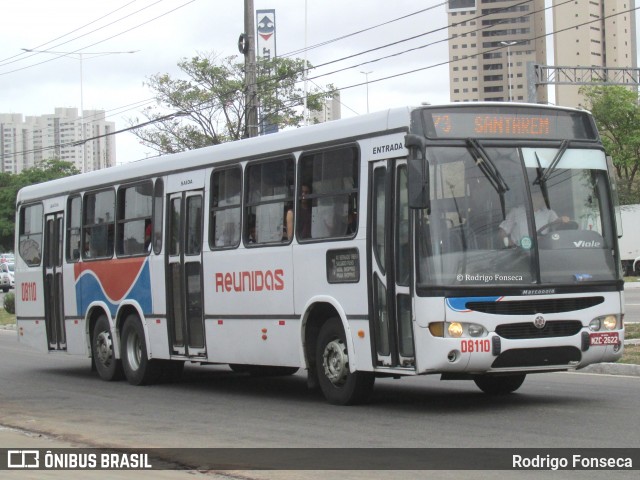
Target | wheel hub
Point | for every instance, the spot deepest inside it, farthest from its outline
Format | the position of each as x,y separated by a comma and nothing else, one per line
134,351
104,348
335,361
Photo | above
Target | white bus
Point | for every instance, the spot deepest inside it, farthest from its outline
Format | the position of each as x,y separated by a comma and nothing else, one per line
382,245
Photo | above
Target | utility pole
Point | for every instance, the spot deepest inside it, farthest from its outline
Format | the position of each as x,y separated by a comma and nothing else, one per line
251,88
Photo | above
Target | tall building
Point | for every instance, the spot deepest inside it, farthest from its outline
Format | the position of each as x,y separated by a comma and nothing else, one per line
592,33
57,136
491,43
330,110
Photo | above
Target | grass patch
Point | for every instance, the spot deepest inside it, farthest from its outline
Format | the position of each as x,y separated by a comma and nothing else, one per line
632,279
6,318
631,355
631,330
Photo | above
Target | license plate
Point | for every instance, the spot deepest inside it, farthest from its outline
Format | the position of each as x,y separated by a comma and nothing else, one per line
604,338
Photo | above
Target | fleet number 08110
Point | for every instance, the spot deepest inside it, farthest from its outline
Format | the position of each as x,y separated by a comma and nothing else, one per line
472,346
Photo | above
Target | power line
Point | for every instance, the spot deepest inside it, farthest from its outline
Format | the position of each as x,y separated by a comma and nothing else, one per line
39,47
181,113
100,41
327,42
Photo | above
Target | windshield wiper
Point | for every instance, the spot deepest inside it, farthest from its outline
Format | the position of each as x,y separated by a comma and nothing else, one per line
544,174
489,169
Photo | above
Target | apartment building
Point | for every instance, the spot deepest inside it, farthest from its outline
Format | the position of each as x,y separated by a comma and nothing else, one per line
592,33
26,143
490,44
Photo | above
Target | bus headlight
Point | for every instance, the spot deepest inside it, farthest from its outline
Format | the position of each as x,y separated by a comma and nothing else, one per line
607,322
610,322
475,330
455,330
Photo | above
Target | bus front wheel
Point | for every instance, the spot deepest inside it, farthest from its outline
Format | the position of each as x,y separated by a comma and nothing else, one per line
499,384
138,368
104,356
339,385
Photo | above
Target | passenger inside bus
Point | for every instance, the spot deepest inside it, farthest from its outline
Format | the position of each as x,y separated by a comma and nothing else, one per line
147,235
304,213
514,228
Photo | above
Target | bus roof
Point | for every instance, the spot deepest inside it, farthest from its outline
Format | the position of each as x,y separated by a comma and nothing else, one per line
278,143
394,119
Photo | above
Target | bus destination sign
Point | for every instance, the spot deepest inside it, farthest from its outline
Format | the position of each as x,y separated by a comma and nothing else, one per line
533,123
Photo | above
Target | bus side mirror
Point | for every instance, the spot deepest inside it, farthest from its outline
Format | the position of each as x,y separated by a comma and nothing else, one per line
417,172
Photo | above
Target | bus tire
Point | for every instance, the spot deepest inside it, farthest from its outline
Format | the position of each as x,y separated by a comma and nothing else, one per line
338,384
138,368
499,384
104,356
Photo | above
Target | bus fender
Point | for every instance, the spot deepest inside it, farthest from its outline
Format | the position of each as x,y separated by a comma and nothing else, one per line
123,310
343,319
104,308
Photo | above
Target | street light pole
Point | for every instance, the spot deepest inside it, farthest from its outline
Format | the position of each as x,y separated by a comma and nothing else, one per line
509,45
79,58
366,76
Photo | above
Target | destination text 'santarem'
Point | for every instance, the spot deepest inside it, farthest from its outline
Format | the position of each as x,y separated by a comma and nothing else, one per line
495,124
250,281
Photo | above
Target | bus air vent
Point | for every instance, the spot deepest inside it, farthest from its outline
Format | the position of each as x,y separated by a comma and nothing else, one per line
553,328
530,307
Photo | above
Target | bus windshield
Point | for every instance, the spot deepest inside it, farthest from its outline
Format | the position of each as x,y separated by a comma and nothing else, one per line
512,216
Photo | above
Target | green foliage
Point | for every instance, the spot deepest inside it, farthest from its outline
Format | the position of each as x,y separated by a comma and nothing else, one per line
10,184
211,101
10,303
617,114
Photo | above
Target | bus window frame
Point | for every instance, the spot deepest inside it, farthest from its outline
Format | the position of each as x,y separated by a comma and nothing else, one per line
313,197
120,222
157,215
213,209
69,228
246,204
41,233
110,251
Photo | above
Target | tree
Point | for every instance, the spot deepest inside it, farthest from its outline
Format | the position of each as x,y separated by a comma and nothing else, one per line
10,184
617,114
210,103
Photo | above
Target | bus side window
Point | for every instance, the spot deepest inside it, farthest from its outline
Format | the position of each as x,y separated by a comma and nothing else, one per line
30,234
98,224
328,194
158,210
74,220
134,219
225,208
269,196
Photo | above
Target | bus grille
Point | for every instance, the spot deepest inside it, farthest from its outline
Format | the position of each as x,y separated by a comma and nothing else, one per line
537,357
554,328
530,307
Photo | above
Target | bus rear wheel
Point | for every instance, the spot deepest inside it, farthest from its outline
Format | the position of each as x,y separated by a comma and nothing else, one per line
499,384
339,385
138,368
104,356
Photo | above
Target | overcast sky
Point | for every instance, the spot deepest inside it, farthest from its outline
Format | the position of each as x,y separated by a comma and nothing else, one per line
165,31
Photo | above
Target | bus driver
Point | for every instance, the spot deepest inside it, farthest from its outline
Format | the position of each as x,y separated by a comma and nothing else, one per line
514,228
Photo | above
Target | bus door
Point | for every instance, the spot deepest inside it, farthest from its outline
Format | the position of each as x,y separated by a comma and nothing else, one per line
390,260
53,290
184,274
